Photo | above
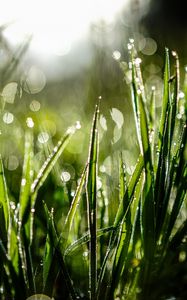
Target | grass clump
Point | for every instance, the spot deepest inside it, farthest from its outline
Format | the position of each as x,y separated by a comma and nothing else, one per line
141,253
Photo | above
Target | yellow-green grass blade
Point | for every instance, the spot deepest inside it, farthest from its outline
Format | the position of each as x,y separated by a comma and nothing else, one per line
91,193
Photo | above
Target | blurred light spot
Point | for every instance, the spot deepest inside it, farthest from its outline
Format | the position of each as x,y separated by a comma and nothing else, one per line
9,92
65,176
30,122
35,105
85,253
117,117
130,170
103,122
128,77
11,163
99,183
152,68
108,165
102,169
181,95
35,81
116,55
39,297
182,256
147,46
8,118
117,134
43,137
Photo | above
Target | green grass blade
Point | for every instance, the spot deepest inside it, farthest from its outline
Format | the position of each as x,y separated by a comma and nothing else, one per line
85,239
26,180
124,206
91,193
74,204
51,160
55,244
4,205
148,207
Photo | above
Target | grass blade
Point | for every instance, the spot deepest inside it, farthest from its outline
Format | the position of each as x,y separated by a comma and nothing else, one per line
91,193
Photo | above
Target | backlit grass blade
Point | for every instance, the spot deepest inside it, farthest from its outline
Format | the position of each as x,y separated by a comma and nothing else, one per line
46,169
51,160
4,205
91,193
74,204
27,175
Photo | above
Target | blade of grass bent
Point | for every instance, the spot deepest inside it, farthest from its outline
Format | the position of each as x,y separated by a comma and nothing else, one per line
91,193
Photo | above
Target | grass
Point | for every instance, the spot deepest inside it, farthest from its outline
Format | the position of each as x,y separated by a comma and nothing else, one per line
139,254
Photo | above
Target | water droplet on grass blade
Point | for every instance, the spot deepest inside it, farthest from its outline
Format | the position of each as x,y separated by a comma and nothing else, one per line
23,182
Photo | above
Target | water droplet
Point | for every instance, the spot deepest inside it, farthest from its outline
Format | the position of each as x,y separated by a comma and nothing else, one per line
174,53
23,182
65,176
116,55
138,61
153,88
78,125
181,95
131,41
30,122
33,210
129,46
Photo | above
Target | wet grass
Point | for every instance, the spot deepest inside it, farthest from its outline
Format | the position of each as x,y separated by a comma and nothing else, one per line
139,254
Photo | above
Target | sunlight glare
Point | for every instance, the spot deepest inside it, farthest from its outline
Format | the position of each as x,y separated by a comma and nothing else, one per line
56,24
